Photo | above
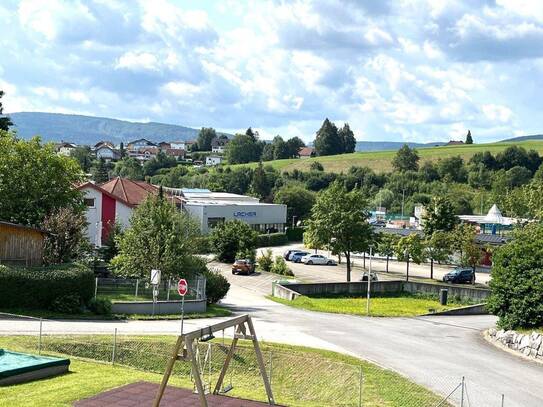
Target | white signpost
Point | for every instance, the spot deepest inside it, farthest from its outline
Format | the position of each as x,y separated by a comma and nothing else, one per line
182,289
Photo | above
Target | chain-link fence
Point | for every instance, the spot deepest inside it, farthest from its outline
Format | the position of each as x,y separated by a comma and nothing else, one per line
122,289
298,377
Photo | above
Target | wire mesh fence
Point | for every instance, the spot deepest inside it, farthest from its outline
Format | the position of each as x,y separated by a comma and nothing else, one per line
298,378
123,289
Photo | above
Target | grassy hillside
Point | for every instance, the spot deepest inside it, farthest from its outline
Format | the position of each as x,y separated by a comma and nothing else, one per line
382,160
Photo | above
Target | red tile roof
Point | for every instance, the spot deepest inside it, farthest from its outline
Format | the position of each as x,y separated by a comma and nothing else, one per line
133,192
305,151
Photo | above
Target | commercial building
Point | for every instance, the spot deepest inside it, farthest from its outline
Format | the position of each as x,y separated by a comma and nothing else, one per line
211,208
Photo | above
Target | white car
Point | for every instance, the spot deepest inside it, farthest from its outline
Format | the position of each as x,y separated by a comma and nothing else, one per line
317,259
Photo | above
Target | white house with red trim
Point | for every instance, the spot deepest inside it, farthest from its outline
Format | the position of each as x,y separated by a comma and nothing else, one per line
103,209
113,202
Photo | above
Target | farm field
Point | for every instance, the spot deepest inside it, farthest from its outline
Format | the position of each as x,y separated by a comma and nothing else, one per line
381,161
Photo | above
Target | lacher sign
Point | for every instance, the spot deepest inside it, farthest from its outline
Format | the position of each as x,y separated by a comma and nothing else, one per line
241,214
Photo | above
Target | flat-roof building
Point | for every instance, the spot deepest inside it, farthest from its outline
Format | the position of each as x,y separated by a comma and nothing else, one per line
211,208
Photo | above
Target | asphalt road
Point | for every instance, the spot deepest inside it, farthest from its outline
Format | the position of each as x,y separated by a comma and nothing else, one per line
433,351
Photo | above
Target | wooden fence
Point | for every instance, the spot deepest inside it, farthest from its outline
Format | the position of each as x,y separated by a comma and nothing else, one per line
20,245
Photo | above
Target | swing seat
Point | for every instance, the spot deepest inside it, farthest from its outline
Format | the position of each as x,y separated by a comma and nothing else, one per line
226,389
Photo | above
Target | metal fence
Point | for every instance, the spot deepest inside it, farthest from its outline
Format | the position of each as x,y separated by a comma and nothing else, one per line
141,290
297,378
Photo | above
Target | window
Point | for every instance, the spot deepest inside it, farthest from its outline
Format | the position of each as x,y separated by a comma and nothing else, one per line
89,202
212,222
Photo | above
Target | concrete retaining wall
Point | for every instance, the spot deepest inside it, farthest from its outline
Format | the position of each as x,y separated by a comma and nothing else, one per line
161,307
475,294
529,345
477,309
289,291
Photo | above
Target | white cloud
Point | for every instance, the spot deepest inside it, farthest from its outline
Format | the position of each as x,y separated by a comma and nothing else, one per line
181,89
497,113
137,61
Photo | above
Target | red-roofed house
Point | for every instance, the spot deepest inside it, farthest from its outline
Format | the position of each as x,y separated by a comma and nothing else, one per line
306,152
113,202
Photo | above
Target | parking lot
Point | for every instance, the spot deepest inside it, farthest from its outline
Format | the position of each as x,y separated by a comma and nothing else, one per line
318,273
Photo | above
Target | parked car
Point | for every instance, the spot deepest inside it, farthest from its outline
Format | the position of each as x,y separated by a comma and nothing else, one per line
287,254
243,266
460,275
317,259
378,223
296,257
365,276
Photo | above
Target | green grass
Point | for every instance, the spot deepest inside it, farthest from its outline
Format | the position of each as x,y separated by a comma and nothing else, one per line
400,305
381,161
213,310
327,378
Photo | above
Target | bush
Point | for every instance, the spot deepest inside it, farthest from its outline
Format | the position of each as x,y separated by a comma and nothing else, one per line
517,280
265,261
272,239
232,237
248,254
295,234
67,304
217,286
280,267
38,288
100,306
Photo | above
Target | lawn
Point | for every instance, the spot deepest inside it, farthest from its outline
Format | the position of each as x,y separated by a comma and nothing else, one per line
381,161
327,378
213,310
401,305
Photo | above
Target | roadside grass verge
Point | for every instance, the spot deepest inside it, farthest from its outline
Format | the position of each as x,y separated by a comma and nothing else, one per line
397,305
213,310
300,376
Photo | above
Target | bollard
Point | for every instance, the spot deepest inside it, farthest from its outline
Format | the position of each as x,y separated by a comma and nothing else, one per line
137,286
443,296
95,287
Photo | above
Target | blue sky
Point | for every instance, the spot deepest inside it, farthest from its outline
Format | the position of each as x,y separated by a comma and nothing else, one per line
403,70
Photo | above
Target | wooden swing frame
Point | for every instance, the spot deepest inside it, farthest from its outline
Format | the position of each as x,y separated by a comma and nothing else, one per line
187,343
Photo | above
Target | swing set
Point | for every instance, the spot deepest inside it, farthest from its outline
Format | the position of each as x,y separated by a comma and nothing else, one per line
186,349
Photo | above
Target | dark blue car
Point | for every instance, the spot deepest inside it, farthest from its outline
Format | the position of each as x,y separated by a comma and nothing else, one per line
297,257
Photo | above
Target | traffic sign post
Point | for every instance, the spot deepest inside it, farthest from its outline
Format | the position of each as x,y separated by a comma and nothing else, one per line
182,289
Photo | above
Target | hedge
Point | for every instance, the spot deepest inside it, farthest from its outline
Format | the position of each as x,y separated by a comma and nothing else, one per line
295,234
38,288
272,239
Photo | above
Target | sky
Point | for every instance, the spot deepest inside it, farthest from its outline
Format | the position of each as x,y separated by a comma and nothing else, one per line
402,70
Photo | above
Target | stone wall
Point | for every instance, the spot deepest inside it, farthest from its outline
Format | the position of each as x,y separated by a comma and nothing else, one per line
530,345
470,293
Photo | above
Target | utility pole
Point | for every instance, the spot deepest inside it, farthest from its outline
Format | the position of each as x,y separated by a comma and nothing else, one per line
403,201
369,284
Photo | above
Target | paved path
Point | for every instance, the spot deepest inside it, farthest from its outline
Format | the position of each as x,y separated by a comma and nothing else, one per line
433,351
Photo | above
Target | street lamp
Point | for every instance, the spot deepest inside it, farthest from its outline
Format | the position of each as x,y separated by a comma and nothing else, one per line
369,283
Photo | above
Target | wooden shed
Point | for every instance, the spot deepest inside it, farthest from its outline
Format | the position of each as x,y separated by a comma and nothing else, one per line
21,245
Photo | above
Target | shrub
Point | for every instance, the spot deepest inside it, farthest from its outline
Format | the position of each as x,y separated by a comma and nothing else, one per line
67,304
272,239
265,261
280,267
217,286
232,237
248,254
295,234
100,306
517,280
38,288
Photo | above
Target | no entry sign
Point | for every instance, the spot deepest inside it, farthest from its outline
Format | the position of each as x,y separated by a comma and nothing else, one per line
182,287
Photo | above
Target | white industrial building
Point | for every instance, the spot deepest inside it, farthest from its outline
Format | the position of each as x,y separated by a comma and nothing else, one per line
210,208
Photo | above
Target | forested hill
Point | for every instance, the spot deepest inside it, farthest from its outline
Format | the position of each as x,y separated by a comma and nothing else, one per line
89,130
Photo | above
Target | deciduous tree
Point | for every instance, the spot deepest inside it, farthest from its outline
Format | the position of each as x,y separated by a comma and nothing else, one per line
5,122
386,245
438,248
406,159
34,180
232,237
439,215
410,248
65,239
339,221
205,137
298,200
160,237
